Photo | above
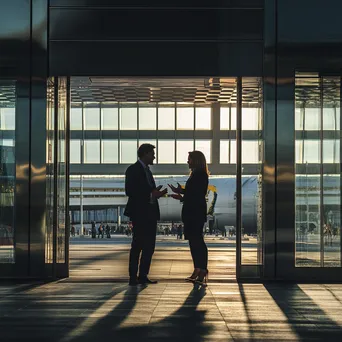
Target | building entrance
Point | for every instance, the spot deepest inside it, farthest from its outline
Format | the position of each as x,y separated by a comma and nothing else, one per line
110,117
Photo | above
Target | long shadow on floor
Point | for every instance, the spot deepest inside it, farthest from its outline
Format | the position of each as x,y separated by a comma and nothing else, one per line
185,324
308,320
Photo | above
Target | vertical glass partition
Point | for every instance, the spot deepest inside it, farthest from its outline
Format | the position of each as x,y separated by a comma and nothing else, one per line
7,169
57,158
251,171
318,171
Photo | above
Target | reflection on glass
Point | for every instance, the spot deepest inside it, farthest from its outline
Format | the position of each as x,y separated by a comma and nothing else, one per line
75,151
185,118
61,172
110,152
76,118
224,151
312,119
183,149
312,152
147,118
233,151
331,151
252,177
250,119
128,118
166,118
166,151
7,170
7,119
308,220
250,152
50,172
228,118
224,118
332,220
91,118
91,152
205,147
318,179
203,118
128,151
331,119
109,118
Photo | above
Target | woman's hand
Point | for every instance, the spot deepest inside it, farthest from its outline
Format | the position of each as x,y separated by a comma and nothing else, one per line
177,190
177,196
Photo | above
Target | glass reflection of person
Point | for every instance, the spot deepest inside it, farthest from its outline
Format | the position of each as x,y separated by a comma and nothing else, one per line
194,214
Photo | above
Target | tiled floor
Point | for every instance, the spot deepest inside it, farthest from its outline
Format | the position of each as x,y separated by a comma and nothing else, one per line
96,304
79,311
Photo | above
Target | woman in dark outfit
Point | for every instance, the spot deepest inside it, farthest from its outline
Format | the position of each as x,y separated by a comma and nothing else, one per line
194,214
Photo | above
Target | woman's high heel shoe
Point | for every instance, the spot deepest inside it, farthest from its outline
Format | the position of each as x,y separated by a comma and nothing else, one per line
194,275
202,278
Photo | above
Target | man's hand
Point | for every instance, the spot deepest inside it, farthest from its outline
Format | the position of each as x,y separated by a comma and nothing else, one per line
177,190
156,193
177,196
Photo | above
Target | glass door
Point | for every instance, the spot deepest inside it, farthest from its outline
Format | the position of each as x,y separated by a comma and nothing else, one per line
318,171
57,206
249,191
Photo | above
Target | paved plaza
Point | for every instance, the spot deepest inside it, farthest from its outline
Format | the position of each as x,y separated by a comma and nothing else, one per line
96,304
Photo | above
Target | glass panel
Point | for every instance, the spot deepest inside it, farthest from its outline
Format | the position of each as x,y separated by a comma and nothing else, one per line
75,151
128,151
251,180
331,173
109,118
224,151
331,119
250,119
250,152
183,149
76,118
312,119
185,118
7,119
50,172
91,118
312,151
147,118
224,118
61,172
318,180
331,151
7,167
203,118
205,147
233,118
166,151
233,151
128,118
91,152
166,118
110,152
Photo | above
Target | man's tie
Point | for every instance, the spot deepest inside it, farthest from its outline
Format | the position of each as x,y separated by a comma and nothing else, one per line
150,177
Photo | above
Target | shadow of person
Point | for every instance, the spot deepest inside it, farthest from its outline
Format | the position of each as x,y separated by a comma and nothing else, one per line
308,319
185,324
106,317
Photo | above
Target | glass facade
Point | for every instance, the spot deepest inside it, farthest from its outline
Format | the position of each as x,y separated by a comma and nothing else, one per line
7,170
318,171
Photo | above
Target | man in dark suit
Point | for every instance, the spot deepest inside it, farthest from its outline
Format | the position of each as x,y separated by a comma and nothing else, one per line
143,210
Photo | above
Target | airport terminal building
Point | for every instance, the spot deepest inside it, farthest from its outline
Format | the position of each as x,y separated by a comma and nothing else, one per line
254,84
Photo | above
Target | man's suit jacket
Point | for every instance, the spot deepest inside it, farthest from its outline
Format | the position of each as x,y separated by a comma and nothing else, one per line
194,201
139,190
